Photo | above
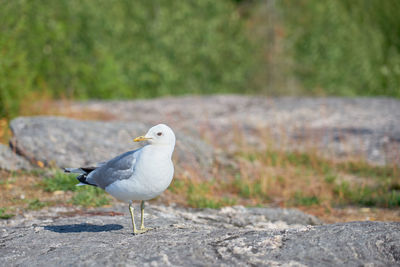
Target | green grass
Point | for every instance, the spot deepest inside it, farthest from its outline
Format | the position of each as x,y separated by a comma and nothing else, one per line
317,179
89,196
364,169
250,188
198,201
36,204
60,181
201,202
198,196
201,194
264,177
370,196
300,199
4,215
325,166
176,185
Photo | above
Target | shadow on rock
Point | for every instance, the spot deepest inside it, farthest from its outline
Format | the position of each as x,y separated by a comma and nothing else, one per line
83,227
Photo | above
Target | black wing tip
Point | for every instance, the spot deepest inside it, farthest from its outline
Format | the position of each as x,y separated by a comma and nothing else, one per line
81,170
88,169
82,178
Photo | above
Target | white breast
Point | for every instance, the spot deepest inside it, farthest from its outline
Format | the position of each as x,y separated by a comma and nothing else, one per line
153,174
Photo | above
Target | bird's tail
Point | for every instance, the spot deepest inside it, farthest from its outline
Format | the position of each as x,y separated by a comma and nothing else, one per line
83,173
74,170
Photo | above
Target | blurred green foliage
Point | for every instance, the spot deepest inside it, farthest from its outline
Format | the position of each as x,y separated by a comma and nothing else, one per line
130,49
4,215
36,204
87,196
345,47
59,180
120,49
90,197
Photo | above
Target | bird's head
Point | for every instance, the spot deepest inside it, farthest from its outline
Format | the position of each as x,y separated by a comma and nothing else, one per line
160,134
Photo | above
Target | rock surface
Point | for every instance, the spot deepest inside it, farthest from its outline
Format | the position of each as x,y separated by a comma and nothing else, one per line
366,128
227,237
71,143
369,127
11,161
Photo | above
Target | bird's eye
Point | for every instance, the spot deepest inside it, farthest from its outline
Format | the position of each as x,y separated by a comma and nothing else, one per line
159,133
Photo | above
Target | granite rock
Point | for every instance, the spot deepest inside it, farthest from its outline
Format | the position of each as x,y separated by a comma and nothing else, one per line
366,128
182,237
343,127
62,142
10,161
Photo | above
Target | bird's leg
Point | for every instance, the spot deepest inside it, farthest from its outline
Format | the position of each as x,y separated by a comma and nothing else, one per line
142,228
142,213
135,231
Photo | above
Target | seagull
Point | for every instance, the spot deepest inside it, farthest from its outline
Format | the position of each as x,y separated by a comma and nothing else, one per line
140,174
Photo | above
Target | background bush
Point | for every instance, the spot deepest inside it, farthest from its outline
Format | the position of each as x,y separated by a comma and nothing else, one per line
144,48
120,49
344,47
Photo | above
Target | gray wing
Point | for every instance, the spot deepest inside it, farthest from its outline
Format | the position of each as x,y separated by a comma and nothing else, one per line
119,168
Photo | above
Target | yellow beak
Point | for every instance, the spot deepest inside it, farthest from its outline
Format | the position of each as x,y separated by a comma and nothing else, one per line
140,138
